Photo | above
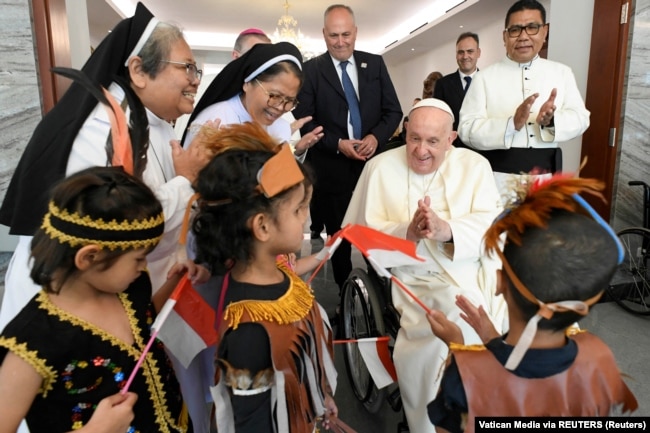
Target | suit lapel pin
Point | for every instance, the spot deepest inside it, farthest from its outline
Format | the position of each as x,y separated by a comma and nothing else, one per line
363,65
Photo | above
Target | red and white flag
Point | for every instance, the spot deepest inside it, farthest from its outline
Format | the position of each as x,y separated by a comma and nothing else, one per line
186,323
385,250
375,354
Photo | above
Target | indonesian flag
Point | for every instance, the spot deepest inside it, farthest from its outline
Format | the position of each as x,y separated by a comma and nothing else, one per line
375,354
382,250
188,323
385,250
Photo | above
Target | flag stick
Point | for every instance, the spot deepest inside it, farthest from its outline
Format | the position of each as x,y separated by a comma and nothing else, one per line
411,294
160,319
318,268
139,363
383,272
356,340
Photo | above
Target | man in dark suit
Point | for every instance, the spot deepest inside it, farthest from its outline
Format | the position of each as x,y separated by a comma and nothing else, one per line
451,88
355,124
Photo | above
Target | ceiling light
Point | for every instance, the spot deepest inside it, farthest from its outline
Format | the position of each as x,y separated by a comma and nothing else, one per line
288,30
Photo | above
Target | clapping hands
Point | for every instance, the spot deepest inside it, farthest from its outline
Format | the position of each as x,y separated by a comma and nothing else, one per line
476,317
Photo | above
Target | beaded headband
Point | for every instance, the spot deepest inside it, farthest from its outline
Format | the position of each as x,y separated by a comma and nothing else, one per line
81,231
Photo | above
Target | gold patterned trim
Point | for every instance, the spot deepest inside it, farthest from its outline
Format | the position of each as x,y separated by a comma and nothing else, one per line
149,367
290,307
48,373
468,348
75,230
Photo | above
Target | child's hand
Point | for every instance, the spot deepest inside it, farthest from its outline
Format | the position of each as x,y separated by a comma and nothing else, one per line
291,260
444,328
114,414
197,274
477,318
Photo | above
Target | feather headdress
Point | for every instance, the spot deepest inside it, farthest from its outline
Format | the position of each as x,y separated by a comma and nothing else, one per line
534,202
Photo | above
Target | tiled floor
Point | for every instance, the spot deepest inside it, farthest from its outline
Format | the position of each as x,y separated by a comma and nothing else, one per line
626,334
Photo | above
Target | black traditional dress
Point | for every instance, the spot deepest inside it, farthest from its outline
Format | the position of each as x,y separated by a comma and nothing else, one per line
81,364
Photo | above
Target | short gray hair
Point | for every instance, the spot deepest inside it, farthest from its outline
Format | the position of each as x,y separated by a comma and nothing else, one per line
158,47
338,6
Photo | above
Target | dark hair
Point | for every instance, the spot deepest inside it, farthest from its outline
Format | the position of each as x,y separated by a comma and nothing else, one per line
158,47
466,35
573,258
430,81
526,5
228,187
106,193
278,68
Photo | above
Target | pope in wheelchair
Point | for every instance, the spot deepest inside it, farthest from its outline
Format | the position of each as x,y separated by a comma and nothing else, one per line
444,199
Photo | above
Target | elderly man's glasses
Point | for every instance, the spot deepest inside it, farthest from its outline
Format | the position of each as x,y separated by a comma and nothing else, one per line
531,29
278,101
193,73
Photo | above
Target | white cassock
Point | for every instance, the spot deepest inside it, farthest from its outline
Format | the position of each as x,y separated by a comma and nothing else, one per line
173,191
463,193
496,92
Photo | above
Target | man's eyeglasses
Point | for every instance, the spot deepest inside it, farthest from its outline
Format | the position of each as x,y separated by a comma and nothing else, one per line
278,101
193,73
531,29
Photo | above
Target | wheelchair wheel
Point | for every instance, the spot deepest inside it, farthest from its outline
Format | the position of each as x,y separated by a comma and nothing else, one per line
361,318
630,286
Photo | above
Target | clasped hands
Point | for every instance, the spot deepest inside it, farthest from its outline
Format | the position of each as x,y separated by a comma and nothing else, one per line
427,225
545,115
359,149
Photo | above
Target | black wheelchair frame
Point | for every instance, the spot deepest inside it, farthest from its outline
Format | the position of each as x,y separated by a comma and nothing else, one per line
630,285
367,311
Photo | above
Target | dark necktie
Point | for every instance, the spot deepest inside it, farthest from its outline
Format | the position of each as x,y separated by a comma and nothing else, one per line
353,102
468,80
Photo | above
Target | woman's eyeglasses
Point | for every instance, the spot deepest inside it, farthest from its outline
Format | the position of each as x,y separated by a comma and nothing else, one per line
193,73
278,101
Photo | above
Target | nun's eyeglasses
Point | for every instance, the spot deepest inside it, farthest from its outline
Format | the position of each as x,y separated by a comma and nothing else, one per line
193,73
278,101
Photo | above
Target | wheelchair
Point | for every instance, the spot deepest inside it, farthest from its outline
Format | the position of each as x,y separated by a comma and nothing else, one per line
367,311
630,285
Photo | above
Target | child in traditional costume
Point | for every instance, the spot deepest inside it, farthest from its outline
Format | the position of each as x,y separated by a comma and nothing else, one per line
275,351
69,352
558,257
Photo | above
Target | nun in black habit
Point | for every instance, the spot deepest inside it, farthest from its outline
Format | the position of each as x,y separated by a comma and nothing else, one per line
152,60
260,86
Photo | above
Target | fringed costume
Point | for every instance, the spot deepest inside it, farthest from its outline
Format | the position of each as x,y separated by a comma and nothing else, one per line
276,357
585,367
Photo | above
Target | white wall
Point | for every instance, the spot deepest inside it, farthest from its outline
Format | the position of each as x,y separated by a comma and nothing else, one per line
569,43
408,77
77,13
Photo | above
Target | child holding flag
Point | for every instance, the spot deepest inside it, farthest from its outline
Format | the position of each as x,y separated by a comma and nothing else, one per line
66,356
558,257
275,349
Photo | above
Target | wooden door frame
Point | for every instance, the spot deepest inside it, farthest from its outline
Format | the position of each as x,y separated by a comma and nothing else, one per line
52,46
605,92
